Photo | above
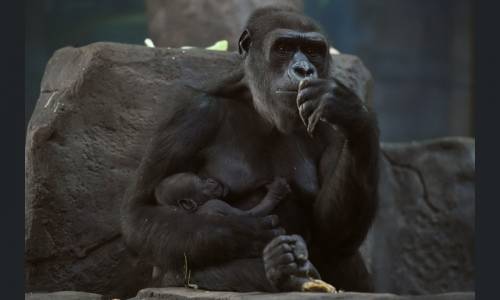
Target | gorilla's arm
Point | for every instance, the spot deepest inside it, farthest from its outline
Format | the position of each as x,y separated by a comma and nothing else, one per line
165,234
346,204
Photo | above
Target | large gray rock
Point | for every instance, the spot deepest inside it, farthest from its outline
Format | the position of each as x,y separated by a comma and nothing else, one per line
97,107
203,22
422,240
184,294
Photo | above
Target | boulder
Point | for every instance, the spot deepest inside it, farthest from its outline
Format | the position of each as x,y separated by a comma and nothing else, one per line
203,22
97,108
422,240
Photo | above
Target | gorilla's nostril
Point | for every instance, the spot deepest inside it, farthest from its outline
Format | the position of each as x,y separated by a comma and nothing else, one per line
303,70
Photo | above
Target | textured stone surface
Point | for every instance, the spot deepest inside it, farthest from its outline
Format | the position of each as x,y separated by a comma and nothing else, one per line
182,294
97,107
422,240
203,22
64,295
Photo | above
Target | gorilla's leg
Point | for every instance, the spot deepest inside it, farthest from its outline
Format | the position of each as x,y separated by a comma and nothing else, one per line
242,275
348,274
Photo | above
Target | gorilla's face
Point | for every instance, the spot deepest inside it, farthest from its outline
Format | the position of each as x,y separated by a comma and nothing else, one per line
276,64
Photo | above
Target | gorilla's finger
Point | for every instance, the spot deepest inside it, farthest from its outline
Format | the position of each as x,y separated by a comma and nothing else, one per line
306,83
300,248
305,114
303,83
307,108
271,251
304,95
284,259
311,93
300,254
274,253
304,120
283,239
311,123
297,238
314,118
279,260
288,269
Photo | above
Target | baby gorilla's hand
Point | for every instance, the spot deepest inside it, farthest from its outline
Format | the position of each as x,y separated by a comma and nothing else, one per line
279,188
212,189
286,263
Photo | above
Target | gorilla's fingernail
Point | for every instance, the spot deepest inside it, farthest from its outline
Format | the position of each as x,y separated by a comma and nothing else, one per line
301,107
302,83
310,130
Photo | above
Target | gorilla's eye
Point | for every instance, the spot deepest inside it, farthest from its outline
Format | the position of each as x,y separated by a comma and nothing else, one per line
283,49
312,51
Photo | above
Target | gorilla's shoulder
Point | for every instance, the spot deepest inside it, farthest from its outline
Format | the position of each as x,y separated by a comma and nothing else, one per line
192,107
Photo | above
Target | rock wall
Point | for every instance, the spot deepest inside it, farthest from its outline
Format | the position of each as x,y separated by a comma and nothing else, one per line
203,22
422,240
97,107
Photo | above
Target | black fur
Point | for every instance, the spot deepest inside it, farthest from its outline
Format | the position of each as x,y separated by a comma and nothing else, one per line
204,196
279,115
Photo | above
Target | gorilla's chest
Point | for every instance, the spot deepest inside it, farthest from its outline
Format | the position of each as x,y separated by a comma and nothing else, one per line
246,165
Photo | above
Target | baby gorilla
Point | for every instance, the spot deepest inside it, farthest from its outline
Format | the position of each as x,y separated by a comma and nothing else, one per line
203,196
194,194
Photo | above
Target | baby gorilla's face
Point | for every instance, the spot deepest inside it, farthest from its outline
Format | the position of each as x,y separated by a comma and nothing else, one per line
211,189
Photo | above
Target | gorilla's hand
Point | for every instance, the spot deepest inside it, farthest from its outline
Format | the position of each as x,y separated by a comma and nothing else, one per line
286,263
329,100
279,188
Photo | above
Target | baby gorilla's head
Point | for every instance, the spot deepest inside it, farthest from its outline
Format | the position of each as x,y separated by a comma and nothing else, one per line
188,191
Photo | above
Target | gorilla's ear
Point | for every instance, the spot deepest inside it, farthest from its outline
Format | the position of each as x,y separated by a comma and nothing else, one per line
244,43
188,204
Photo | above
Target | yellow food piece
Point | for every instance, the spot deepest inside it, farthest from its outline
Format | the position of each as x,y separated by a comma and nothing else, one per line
316,285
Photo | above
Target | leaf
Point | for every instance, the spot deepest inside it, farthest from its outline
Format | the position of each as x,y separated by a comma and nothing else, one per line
221,45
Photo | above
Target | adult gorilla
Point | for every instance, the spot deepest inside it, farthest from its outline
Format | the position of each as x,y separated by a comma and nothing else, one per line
290,121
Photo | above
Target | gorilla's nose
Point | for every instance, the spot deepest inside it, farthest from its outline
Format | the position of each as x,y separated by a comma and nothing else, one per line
302,70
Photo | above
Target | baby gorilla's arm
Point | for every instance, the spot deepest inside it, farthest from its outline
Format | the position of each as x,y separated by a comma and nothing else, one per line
220,208
277,191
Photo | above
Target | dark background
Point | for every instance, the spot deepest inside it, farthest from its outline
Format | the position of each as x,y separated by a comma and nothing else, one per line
419,52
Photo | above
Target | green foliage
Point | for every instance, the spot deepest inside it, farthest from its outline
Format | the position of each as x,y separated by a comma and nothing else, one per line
219,46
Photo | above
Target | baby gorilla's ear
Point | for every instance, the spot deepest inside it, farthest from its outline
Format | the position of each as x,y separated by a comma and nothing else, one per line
188,204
